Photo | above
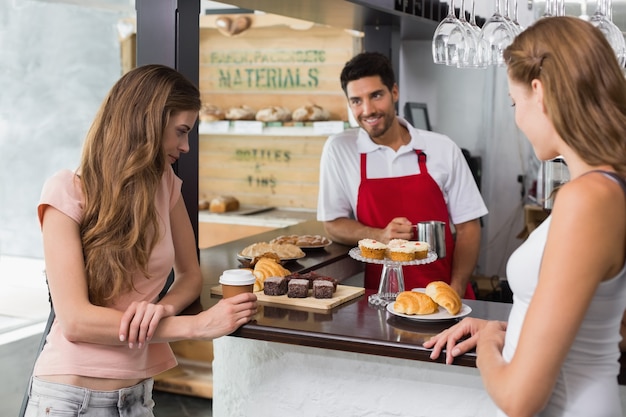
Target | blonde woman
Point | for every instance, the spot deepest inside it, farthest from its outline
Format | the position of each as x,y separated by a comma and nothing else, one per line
112,232
558,353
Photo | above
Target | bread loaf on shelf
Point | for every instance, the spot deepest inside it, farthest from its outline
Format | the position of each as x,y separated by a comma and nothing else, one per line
211,113
223,204
310,113
240,113
273,114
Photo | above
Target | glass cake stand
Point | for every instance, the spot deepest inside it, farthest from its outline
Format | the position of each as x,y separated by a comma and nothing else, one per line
391,278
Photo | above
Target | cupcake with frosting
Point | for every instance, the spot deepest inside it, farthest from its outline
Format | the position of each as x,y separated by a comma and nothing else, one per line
372,249
405,251
401,250
421,249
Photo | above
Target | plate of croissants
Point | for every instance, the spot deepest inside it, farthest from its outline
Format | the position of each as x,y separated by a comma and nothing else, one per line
438,301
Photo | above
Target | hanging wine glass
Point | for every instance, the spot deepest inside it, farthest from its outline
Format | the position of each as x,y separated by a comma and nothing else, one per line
612,33
517,28
495,35
479,60
505,14
548,12
620,42
443,51
468,55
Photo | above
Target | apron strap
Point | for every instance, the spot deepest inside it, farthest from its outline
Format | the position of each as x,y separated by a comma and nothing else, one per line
421,160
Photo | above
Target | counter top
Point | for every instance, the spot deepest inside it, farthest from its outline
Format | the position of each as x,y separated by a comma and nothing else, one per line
351,327
354,326
359,327
269,216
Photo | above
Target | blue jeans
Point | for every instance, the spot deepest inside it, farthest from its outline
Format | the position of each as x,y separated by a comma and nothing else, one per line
52,399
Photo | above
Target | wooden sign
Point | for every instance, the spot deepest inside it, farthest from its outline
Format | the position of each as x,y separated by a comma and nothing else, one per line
279,171
274,65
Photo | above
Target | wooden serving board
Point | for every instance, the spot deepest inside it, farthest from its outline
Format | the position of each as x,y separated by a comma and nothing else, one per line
343,294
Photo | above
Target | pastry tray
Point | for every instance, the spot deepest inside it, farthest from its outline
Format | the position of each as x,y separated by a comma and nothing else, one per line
355,253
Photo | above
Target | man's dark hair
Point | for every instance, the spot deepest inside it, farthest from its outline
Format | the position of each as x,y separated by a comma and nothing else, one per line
368,64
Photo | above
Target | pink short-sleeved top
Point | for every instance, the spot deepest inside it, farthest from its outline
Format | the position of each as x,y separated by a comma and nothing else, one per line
62,357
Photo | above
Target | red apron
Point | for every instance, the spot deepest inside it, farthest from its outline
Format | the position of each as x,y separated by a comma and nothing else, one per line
416,197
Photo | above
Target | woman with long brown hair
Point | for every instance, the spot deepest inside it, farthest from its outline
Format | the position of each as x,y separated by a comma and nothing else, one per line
558,353
112,232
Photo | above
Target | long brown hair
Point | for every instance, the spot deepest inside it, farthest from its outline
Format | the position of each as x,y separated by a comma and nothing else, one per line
121,167
584,86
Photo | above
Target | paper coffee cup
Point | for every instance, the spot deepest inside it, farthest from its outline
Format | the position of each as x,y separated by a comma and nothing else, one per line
236,281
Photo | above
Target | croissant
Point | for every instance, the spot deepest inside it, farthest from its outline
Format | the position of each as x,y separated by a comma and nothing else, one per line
445,296
267,267
411,302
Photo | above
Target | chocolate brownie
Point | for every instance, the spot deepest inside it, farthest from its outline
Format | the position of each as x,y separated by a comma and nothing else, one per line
311,276
322,289
329,279
275,286
298,288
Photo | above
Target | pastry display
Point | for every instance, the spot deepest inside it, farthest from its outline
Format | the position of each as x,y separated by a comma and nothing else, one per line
312,276
211,113
283,251
303,241
240,113
445,296
310,113
321,286
373,249
399,250
222,204
298,288
412,302
273,114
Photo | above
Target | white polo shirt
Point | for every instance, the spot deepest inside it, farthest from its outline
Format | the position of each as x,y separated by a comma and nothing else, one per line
340,174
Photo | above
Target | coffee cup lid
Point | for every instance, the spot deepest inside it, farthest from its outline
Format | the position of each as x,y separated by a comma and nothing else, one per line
237,277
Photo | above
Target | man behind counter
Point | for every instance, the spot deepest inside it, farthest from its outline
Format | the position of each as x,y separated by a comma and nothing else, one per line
379,180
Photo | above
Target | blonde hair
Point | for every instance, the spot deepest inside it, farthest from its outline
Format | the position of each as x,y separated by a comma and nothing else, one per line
121,167
584,86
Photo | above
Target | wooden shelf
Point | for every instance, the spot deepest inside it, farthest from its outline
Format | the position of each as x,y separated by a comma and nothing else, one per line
190,377
194,373
226,127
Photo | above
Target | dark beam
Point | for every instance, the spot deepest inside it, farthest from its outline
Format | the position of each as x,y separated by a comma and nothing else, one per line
168,33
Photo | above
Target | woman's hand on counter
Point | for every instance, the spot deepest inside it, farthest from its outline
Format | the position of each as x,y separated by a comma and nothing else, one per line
225,317
458,339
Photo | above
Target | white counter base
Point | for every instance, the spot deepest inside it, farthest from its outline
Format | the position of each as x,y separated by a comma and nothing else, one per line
257,378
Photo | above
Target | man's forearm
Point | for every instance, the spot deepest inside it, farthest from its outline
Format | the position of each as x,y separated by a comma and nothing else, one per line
350,231
466,250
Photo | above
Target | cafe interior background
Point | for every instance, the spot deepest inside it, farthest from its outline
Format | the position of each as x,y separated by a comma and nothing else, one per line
58,58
